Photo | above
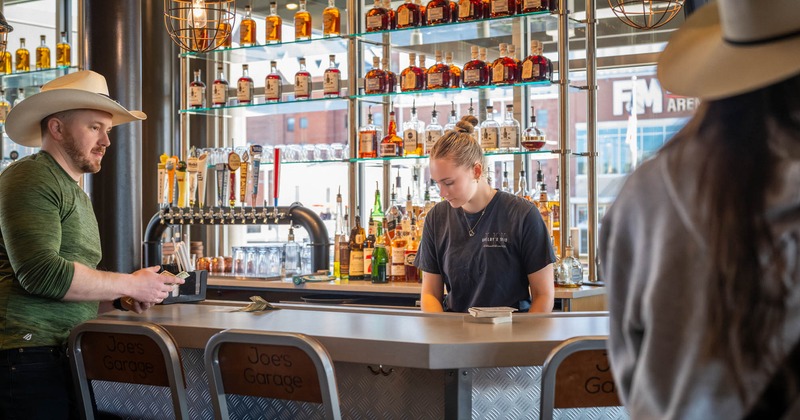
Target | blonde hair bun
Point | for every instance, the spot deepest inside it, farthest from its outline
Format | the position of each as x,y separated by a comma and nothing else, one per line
467,124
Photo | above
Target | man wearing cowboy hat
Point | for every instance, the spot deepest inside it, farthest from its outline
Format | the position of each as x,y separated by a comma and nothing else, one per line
50,244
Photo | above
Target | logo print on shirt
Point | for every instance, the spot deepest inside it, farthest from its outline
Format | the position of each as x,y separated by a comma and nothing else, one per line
495,240
27,337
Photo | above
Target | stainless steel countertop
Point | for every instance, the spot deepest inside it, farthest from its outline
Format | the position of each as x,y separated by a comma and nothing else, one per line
389,337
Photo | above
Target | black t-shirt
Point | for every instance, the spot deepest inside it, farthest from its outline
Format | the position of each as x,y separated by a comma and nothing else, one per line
490,268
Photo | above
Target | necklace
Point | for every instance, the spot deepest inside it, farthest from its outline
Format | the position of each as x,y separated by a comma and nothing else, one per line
471,229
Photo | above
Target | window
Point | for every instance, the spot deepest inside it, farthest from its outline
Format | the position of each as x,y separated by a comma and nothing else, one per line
303,122
290,124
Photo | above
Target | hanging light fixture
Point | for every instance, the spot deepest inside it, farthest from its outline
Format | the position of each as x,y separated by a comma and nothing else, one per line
5,28
645,14
200,25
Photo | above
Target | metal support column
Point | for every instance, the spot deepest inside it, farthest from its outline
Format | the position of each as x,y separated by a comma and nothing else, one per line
354,183
563,121
591,131
458,394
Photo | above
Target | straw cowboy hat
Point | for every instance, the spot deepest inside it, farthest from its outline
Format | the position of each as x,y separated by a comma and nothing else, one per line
80,90
732,47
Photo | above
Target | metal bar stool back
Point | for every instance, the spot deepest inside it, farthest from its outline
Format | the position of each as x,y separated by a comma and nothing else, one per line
139,353
272,365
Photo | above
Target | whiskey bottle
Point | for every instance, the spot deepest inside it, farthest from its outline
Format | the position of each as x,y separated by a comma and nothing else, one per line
377,18
433,131
219,89
387,4
247,29
344,249
5,107
302,81
389,77
408,15
368,137
331,79
42,55
375,79
530,6
22,58
423,16
6,63
410,254
536,67
391,145
331,20
438,11
197,92
412,76
503,8
369,249
438,75
509,132
476,71
273,25
533,139
413,130
541,204
470,10
302,23
223,36
424,70
244,87
554,205
512,54
399,243
504,69
272,84
357,238
453,120
393,215
455,72
489,131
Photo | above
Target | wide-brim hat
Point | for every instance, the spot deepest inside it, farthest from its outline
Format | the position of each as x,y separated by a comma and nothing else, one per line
732,47
80,90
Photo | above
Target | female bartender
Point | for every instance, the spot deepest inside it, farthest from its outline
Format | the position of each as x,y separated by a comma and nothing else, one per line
487,247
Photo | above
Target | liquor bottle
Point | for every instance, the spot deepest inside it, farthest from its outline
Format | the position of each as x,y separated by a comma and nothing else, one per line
387,4
223,35
338,232
433,131
512,54
197,92
541,204
471,111
391,145
357,239
535,66
530,6
424,70
368,137
291,256
569,270
247,29
369,249
390,77
506,185
22,58
554,205
42,55
539,186
476,71
20,97
412,76
380,257
399,242
451,123
504,69
410,254
377,215
331,20
331,79
522,187
553,6
219,89
503,8
455,72
438,75
408,214
4,106
413,130
302,81
375,79
533,139
393,215
272,84
274,24
438,11
6,63
408,15
509,132
302,23
344,249
489,131
470,10
377,18
244,87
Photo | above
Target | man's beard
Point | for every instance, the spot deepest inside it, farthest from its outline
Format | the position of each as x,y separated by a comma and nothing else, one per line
84,163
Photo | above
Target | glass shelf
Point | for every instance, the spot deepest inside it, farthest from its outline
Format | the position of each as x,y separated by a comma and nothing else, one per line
264,108
263,52
450,91
33,78
411,158
491,29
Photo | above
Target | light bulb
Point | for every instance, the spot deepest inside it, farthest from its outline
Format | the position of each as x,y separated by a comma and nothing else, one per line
199,18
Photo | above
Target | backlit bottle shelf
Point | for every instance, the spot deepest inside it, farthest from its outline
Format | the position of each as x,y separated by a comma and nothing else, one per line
263,52
33,78
264,108
452,91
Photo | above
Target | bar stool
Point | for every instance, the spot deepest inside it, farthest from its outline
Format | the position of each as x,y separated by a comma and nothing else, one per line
273,365
139,353
578,369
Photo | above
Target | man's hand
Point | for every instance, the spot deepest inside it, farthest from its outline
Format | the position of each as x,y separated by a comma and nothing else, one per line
132,304
149,287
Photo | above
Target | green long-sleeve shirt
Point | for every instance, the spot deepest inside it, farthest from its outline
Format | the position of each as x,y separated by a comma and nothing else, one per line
46,224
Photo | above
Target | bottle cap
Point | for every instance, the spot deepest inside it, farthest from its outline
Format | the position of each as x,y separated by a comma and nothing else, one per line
245,66
376,61
332,57
475,49
412,57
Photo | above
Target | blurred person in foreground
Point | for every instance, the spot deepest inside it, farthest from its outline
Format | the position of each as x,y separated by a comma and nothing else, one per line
50,244
701,249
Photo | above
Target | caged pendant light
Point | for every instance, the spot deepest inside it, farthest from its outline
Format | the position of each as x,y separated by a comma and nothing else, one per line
200,25
5,28
645,14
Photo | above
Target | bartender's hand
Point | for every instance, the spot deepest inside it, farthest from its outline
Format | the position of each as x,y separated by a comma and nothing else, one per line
150,287
134,305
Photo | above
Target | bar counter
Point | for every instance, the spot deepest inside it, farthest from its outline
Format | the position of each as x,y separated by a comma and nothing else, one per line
436,365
